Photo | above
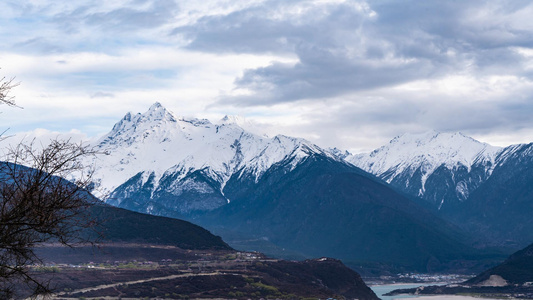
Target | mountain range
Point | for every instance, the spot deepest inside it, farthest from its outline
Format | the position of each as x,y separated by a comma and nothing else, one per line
441,168
485,190
292,194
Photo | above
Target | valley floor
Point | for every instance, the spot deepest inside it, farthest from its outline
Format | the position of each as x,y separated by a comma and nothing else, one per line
153,272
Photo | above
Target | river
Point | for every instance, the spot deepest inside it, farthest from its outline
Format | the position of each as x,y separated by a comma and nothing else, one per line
383,289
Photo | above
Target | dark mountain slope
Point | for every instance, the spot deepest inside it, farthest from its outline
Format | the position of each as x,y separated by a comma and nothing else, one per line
440,168
327,208
517,269
486,191
121,225
329,274
502,208
511,279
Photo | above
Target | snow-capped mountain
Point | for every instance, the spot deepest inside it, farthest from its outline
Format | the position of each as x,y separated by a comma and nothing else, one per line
485,190
221,174
442,168
189,161
503,204
287,190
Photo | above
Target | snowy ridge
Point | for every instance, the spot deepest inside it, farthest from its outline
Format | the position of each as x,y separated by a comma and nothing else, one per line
185,164
426,152
511,152
243,123
158,143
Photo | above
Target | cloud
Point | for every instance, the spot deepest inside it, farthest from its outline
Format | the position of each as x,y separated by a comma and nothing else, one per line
274,26
322,74
101,94
132,16
347,73
91,91
351,46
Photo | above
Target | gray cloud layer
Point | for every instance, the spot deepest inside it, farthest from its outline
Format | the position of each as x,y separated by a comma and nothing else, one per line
350,47
346,69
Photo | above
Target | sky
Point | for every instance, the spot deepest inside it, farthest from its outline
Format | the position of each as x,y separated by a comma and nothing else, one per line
346,74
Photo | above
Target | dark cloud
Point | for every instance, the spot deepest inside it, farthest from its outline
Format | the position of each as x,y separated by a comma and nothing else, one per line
344,47
273,26
323,78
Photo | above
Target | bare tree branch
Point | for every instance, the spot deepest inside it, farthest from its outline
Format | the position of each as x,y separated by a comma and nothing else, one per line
39,205
6,85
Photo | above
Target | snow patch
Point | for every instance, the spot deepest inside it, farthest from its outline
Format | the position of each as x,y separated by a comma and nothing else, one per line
495,281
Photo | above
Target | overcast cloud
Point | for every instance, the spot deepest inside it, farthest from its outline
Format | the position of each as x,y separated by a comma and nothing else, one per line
351,74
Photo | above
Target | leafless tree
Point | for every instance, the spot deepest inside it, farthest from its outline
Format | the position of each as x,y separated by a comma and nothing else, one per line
40,202
6,85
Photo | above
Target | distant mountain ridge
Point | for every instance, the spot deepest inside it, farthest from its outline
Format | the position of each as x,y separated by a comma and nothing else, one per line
486,190
420,164
516,269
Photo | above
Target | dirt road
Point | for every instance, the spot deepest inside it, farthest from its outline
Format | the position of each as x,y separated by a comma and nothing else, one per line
100,287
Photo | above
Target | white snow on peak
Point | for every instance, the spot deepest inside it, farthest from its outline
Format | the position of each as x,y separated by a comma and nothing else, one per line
243,123
426,151
158,112
157,142
239,120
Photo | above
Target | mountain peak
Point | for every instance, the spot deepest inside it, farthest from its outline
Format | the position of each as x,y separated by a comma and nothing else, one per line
440,145
155,106
122,123
127,117
410,159
158,112
243,123
126,128
156,142
430,148
233,119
